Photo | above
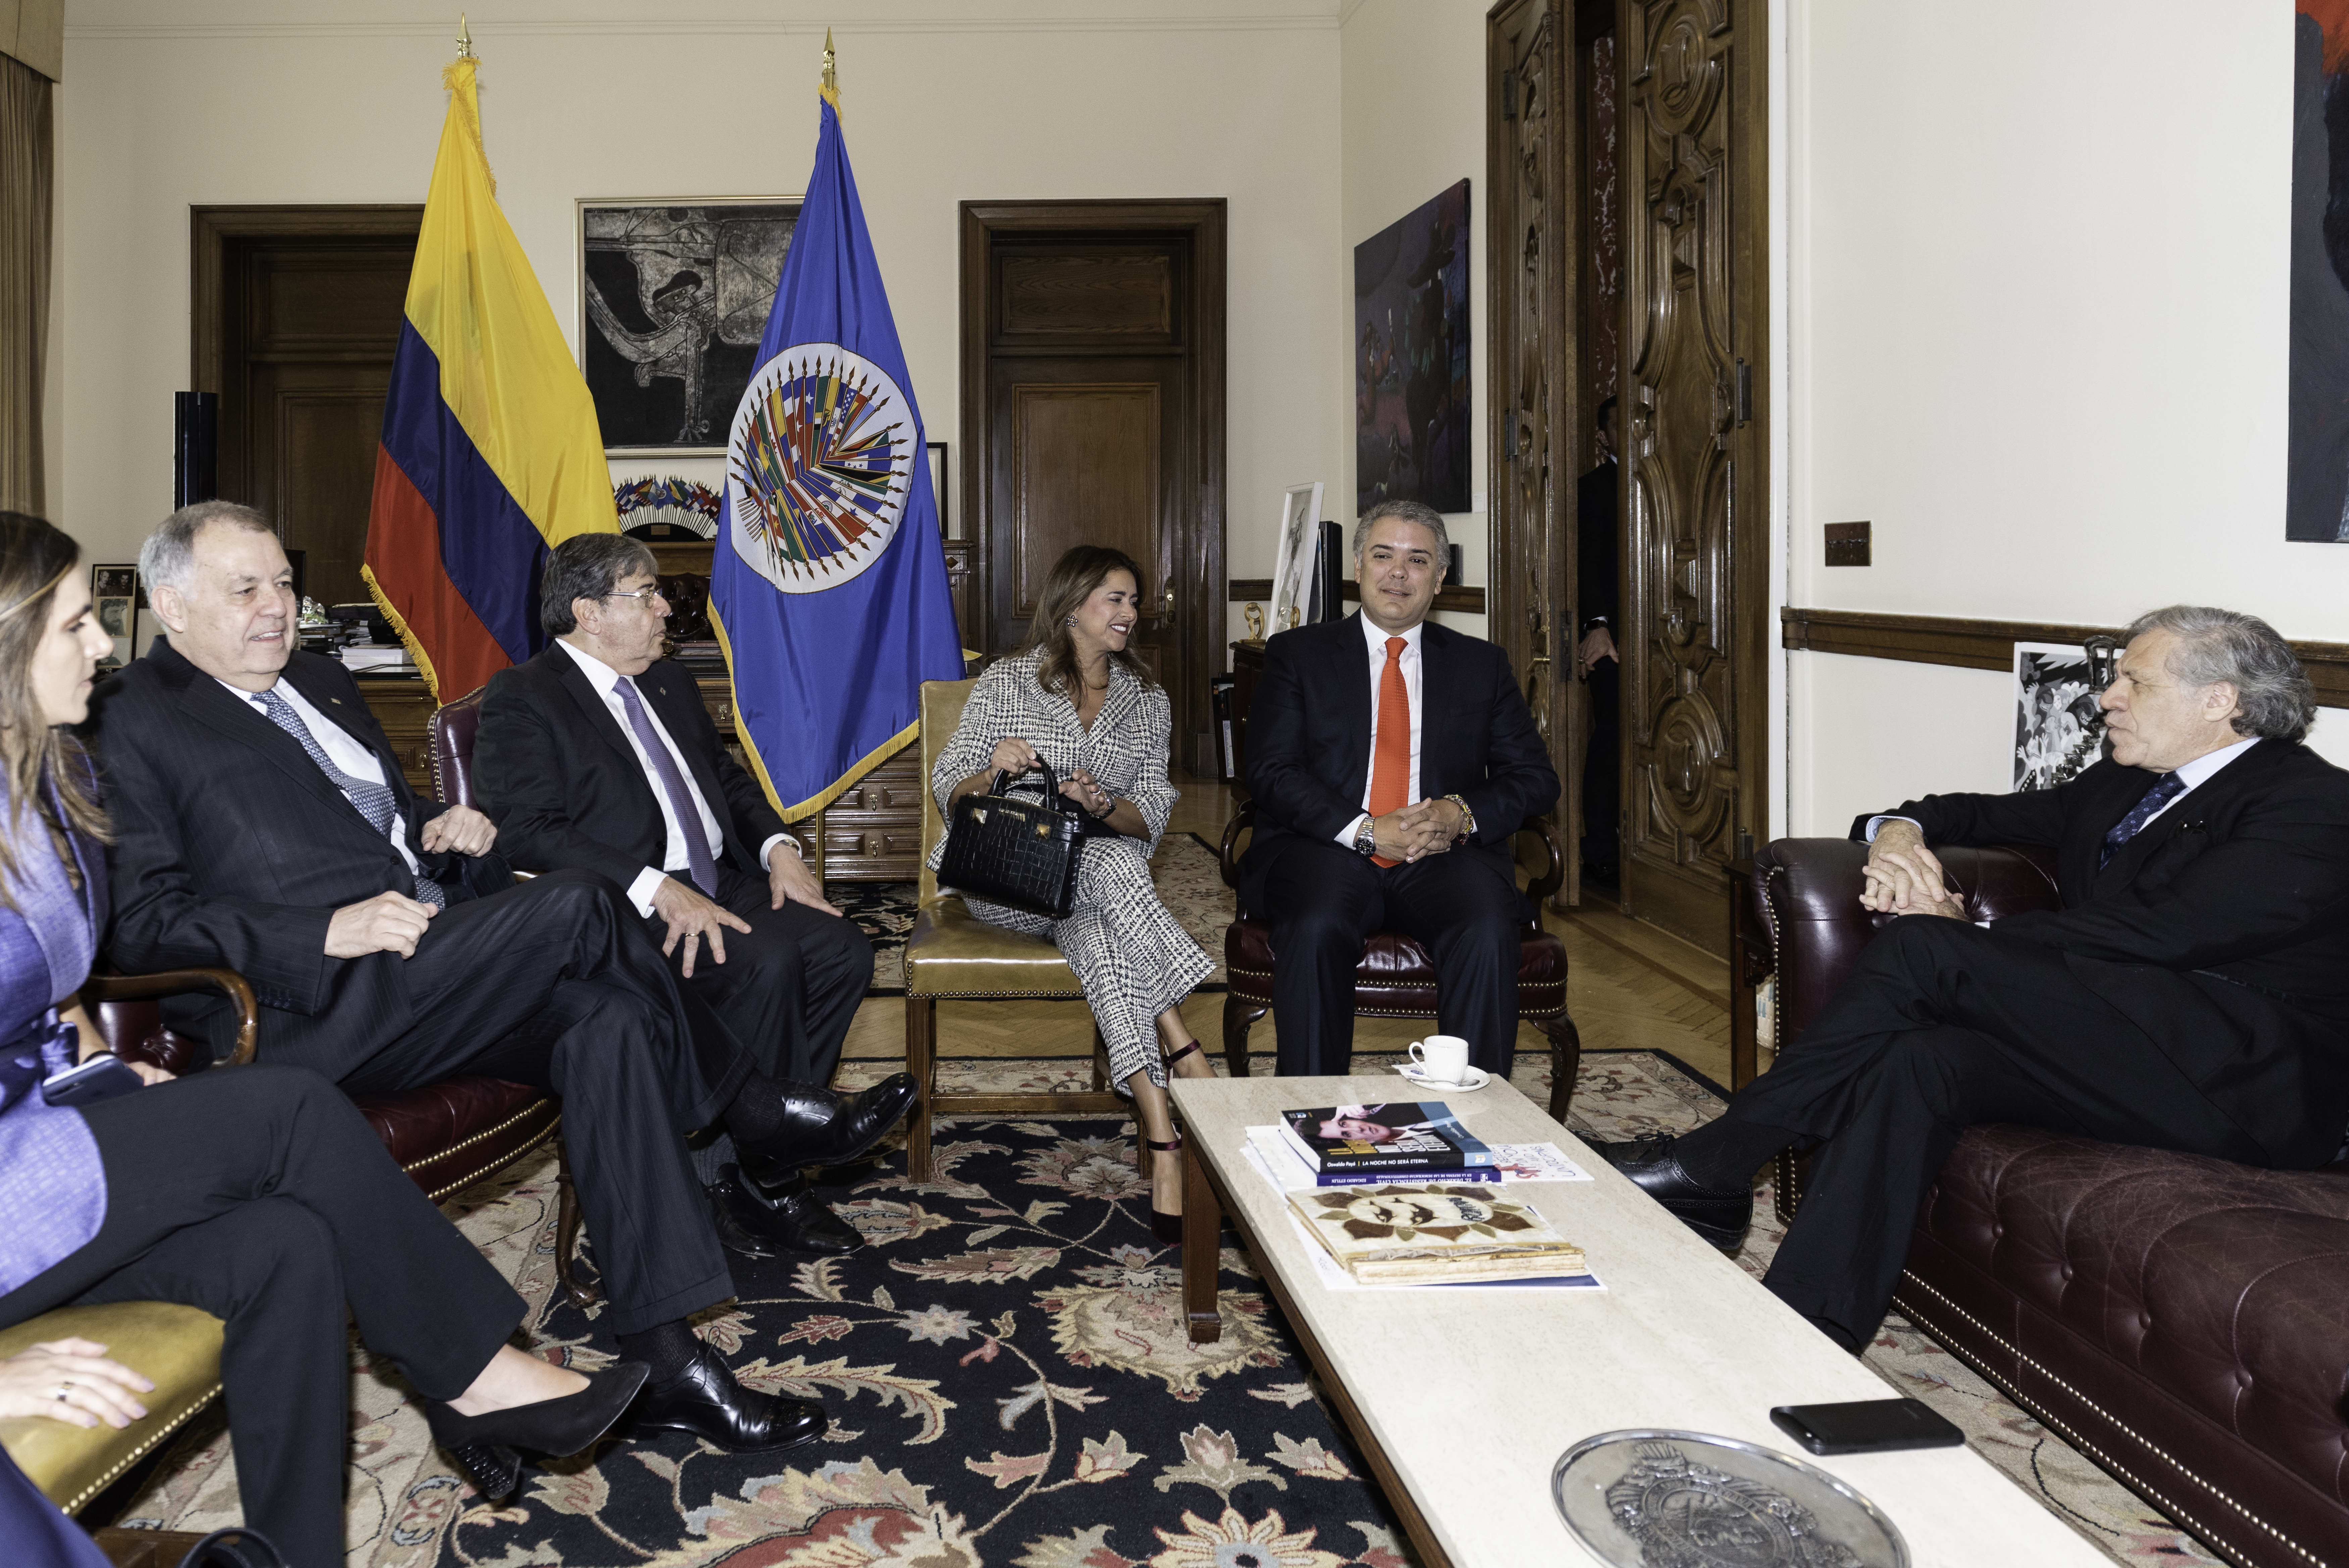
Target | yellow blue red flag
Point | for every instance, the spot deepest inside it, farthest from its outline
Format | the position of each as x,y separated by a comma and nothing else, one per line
490,452
829,587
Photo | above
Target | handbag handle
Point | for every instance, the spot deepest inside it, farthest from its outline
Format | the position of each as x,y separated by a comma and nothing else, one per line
1051,785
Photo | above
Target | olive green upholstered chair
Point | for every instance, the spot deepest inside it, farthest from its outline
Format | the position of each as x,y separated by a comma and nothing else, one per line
178,1346
952,954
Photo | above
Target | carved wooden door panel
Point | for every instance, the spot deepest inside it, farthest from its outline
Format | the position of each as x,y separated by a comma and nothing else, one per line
1532,155
1694,647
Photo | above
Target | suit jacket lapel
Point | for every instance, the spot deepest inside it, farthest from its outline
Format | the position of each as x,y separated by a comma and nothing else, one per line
592,707
307,679
1433,711
1361,720
2192,809
237,719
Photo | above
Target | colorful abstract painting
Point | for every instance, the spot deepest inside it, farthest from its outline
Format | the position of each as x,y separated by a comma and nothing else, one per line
1411,364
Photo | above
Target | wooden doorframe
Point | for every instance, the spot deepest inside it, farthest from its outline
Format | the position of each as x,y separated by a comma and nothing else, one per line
1532,598
1199,595
210,230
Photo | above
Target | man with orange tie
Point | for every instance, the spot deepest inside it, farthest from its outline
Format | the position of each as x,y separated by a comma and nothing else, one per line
1392,762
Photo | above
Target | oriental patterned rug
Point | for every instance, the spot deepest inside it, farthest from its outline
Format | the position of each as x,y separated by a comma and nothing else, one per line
1185,870
1011,1384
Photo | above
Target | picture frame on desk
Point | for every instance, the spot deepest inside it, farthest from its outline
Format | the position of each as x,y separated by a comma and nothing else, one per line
115,599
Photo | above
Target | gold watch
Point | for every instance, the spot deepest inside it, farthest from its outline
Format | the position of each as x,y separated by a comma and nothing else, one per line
1467,823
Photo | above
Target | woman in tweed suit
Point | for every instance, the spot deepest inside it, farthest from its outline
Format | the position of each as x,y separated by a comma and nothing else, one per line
1077,696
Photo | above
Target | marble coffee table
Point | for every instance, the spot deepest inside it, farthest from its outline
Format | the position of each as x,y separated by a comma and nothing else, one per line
1461,1400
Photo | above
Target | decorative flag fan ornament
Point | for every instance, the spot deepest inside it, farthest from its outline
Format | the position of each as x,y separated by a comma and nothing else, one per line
822,457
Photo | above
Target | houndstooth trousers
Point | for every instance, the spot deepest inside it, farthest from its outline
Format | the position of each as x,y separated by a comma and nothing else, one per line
1132,958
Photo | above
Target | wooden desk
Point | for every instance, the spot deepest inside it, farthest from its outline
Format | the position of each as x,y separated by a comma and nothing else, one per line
1462,1401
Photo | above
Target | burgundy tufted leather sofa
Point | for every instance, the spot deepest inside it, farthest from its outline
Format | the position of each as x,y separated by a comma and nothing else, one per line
2182,1321
1396,979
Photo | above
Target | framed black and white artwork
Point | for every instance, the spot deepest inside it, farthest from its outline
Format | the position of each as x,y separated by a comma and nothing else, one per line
674,296
2059,729
1292,564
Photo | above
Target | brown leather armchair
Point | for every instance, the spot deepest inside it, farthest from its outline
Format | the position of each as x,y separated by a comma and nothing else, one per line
2182,1321
1396,979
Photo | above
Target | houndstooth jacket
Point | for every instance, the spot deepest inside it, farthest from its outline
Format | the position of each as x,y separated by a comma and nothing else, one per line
1125,749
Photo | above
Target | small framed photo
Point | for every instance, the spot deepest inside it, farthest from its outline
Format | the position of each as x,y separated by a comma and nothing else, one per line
938,488
115,598
1292,566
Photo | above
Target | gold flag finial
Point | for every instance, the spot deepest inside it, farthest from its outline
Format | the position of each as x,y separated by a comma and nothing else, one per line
830,87
464,38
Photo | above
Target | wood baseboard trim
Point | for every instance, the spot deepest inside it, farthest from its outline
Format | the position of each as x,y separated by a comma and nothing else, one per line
1989,645
1468,600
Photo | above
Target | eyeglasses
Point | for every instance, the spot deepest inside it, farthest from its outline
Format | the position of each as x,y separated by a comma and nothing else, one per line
645,595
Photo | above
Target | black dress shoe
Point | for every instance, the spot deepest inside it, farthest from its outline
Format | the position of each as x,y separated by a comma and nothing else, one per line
792,1218
1719,1217
705,1401
822,1128
484,1445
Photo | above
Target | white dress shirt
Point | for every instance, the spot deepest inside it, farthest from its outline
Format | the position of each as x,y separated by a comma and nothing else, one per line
675,857
2196,774
1378,667
342,749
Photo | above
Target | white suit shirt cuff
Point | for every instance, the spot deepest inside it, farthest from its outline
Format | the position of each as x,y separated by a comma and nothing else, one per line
1347,836
769,848
641,891
1876,824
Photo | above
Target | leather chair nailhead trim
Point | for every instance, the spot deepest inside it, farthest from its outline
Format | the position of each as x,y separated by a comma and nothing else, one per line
152,1441
2176,1512
467,1179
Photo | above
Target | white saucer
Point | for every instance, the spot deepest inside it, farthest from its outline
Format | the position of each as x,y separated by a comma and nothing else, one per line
1477,1079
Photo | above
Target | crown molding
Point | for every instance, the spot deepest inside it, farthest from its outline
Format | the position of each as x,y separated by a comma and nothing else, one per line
590,27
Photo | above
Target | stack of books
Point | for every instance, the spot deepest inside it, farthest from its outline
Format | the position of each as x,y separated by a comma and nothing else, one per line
1354,1145
1415,1200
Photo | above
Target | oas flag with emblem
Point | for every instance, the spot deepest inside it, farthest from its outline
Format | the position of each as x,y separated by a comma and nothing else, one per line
829,589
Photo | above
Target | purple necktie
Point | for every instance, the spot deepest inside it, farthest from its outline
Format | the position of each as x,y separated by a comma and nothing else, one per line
681,798
2165,790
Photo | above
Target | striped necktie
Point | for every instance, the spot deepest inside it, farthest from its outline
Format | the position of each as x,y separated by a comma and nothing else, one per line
2165,790
376,802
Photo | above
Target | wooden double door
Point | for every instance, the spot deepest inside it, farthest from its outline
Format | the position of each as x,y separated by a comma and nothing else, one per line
1627,248
1093,409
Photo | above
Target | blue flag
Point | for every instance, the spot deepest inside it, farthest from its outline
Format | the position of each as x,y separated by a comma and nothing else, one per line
829,588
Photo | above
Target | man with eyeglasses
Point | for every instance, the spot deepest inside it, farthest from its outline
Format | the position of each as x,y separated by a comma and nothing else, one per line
598,755
262,824
2191,994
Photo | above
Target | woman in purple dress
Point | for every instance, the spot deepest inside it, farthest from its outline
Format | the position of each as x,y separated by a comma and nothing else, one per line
257,1193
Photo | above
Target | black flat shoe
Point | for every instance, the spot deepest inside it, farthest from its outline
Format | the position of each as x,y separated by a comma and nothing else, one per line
484,1445
792,1219
707,1402
822,1128
1721,1218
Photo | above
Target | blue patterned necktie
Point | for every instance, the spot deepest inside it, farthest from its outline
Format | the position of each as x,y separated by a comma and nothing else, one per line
703,870
2165,788
376,802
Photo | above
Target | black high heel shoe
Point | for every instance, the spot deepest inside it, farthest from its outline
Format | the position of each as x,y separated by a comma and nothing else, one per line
484,1445
1168,1228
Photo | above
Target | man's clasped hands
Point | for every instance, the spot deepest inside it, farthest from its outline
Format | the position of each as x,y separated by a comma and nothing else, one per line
1903,877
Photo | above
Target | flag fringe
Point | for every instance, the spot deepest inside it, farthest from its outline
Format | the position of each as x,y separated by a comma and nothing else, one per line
408,638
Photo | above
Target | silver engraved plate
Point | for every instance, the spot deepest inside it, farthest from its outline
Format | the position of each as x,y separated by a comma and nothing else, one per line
1652,1498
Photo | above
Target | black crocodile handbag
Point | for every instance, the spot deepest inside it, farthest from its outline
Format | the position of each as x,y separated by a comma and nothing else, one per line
1018,853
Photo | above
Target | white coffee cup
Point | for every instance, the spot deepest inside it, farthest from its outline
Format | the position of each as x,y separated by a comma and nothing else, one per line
1442,1059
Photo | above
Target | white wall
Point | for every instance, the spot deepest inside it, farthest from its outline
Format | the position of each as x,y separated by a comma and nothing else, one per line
2038,293
945,100
1413,74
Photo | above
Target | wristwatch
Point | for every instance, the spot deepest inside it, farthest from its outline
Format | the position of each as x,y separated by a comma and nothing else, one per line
1467,823
1366,837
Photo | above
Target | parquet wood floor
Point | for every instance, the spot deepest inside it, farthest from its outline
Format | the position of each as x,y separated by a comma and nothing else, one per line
1630,988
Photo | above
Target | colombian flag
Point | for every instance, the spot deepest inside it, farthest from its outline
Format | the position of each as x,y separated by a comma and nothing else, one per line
490,452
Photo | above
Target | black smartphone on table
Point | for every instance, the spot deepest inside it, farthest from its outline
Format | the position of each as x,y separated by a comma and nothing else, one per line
1867,1427
86,1083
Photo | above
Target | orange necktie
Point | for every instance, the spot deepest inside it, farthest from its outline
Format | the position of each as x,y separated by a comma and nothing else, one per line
1391,751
